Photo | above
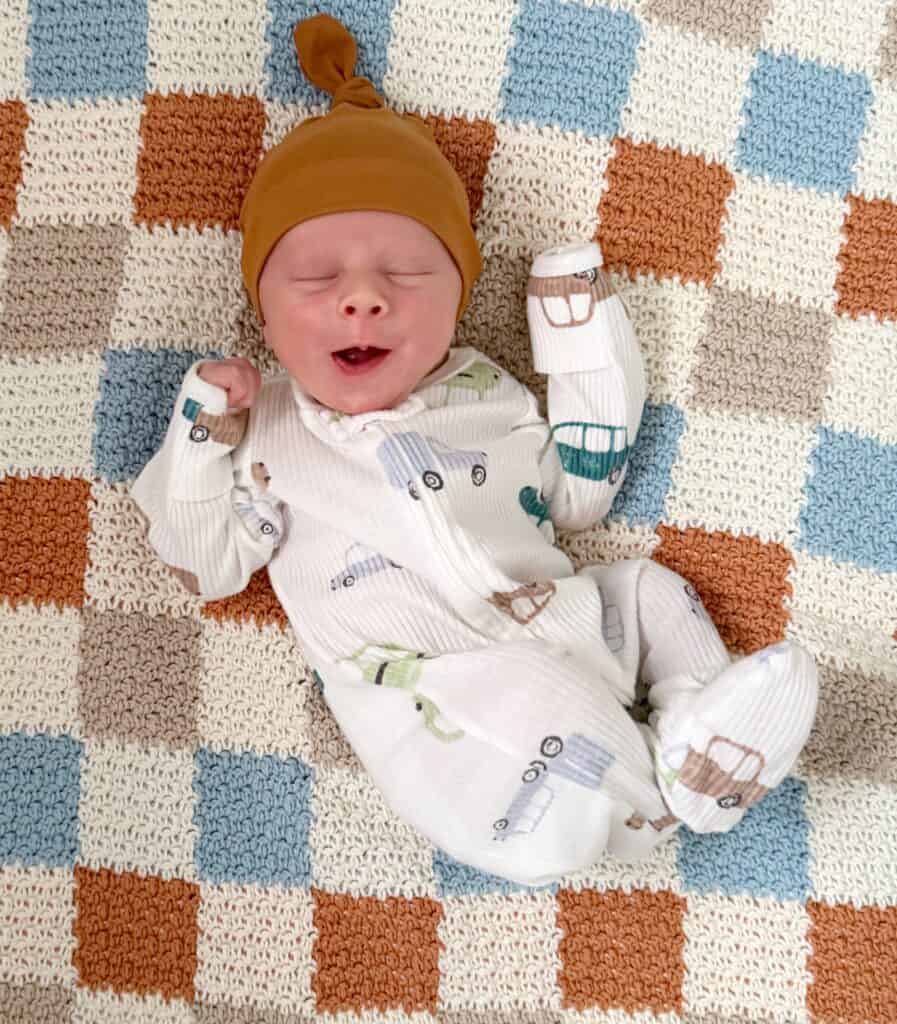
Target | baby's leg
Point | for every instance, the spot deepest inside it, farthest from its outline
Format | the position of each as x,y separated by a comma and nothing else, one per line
534,765
677,636
723,734
661,627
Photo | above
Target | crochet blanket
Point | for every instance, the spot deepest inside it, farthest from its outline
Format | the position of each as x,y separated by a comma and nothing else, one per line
184,834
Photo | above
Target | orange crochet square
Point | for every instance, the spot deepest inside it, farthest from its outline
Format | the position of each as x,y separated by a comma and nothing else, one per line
256,603
662,212
13,123
621,950
199,154
741,580
867,280
135,934
374,954
43,540
467,145
852,963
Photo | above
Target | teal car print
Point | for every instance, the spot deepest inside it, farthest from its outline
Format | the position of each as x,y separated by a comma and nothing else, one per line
228,428
409,458
533,504
596,451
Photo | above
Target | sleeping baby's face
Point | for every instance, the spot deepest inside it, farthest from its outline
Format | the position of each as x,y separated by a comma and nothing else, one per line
342,281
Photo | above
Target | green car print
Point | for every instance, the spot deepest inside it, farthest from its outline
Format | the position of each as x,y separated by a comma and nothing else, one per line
595,451
389,665
479,377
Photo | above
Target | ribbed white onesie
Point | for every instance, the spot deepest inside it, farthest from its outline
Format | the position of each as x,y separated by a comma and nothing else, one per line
480,680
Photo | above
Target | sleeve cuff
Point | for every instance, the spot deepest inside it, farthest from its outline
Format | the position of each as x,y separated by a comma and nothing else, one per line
201,466
212,398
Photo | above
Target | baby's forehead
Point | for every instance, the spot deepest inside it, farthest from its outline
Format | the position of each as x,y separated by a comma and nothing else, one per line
370,231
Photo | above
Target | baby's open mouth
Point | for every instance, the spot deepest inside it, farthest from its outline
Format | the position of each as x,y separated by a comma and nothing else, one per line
360,356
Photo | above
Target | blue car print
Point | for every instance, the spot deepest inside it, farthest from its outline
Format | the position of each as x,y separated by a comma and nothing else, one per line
364,563
261,519
410,457
579,759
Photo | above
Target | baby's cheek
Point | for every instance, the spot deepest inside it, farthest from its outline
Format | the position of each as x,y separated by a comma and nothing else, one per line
436,304
302,316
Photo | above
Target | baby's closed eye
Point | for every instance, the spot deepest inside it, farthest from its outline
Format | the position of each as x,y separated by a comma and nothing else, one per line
312,278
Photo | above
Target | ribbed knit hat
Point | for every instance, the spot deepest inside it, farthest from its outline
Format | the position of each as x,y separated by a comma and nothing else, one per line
359,156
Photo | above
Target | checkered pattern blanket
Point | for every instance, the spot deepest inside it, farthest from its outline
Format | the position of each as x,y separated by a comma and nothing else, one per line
184,834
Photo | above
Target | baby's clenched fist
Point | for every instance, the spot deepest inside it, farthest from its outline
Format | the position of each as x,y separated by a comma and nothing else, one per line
239,378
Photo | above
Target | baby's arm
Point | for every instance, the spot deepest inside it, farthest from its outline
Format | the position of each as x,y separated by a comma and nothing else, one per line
596,389
209,520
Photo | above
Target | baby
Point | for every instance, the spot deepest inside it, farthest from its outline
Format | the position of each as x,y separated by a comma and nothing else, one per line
404,494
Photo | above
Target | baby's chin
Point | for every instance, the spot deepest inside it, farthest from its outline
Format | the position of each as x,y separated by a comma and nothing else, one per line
350,405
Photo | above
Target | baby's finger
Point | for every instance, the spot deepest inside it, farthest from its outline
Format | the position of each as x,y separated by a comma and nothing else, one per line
252,385
236,394
245,389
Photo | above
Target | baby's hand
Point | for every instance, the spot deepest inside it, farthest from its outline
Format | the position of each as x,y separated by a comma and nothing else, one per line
239,378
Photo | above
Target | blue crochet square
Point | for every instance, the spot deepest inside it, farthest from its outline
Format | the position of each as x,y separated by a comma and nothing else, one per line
456,879
569,65
40,785
766,854
802,122
87,49
253,816
644,490
368,21
851,509
137,395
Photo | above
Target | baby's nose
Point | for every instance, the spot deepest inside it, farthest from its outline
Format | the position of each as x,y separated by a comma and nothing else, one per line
364,301
351,307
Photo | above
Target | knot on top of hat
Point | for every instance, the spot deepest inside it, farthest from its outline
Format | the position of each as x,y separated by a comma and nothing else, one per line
327,54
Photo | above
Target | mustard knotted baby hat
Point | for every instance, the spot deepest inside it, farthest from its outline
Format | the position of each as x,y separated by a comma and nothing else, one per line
359,156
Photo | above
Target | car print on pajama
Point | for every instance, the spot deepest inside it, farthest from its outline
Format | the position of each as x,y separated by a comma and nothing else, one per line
364,562
595,451
577,759
725,771
479,377
409,457
569,300
534,504
390,665
260,518
228,428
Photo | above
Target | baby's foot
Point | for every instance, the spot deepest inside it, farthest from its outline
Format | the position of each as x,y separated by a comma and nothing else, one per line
724,746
